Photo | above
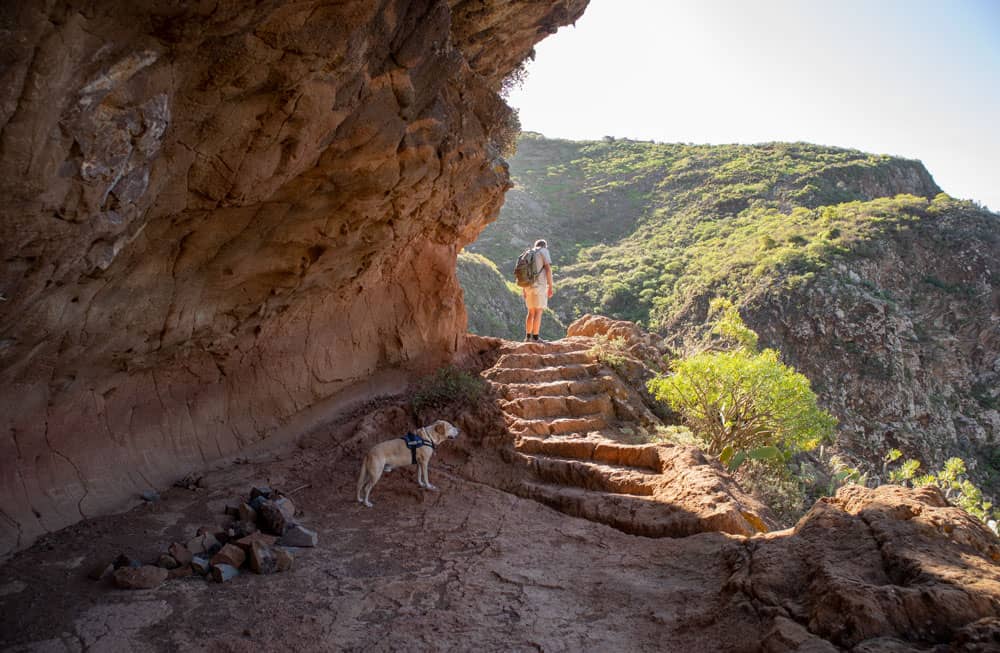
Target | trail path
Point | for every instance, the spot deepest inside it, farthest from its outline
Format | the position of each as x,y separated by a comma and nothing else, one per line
486,564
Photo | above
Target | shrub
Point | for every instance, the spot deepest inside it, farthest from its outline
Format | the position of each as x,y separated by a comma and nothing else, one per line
447,385
744,404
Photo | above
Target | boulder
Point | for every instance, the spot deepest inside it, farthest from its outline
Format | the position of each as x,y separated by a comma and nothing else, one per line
200,565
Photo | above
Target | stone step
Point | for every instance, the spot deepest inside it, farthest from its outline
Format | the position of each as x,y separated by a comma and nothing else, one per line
537,360
557,388
553,347
582,424
598,449
589,475
541,375
636,515
572,406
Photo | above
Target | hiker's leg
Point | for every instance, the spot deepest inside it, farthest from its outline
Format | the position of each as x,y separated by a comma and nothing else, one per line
536,321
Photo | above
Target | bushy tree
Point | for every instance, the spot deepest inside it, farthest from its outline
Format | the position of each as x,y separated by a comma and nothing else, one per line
744,403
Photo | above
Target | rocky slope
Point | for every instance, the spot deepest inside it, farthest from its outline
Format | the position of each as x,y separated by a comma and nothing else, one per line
222,222
882,291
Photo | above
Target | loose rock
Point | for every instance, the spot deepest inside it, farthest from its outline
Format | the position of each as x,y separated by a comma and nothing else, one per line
262,559
262,491
246,514
248,541
145,577
299,535
241,529
223,573
230,554
284,559
167,562
200,565
180,553
272,518
151,496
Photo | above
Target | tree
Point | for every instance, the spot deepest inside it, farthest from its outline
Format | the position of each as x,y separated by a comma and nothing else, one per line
743,403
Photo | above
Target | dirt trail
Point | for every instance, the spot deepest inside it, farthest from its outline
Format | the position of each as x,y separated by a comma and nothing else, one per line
467,567
486,564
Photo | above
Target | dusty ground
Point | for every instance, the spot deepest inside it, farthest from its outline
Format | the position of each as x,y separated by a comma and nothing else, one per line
468,567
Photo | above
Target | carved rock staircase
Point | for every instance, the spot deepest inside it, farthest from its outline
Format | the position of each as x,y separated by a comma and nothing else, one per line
571,419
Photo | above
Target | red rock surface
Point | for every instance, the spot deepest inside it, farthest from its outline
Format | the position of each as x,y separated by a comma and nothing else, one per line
224,222
871,570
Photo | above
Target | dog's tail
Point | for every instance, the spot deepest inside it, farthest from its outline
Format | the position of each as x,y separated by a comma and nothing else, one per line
361,479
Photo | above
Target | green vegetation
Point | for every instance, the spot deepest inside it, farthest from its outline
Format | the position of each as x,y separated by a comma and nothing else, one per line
609,351
744,404
448,385
953,481
640,230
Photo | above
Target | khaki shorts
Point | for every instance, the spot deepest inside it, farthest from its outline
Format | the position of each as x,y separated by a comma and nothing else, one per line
537,296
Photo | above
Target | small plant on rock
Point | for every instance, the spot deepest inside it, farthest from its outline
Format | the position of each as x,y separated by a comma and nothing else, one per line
609,351
953,481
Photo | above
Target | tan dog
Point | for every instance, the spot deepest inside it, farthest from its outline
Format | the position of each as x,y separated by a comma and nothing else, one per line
383,457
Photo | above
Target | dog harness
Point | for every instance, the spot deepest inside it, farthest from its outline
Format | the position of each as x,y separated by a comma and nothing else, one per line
414,442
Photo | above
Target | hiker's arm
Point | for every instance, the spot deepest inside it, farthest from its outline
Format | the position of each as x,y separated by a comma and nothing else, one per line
548,276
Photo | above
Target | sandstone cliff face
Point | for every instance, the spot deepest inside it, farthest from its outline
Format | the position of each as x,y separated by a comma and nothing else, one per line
218,216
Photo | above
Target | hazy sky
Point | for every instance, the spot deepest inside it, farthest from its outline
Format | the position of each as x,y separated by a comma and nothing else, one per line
911,78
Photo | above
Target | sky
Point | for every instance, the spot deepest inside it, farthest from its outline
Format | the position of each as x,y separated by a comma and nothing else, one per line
910,78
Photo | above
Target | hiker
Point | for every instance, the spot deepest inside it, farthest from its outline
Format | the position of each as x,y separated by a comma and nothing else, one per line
536,296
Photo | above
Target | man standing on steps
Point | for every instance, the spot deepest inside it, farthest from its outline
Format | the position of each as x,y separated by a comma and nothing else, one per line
536,296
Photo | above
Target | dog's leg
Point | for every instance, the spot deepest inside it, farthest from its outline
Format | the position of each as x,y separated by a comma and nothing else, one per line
373,476
424,465
420,471
361,482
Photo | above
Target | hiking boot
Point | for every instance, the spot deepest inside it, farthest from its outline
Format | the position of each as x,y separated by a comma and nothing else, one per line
535,338
528,337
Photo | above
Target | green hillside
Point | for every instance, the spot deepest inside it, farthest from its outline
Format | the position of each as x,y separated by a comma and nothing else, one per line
637,229
873,283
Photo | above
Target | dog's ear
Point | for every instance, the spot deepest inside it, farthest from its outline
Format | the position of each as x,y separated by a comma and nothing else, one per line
440,428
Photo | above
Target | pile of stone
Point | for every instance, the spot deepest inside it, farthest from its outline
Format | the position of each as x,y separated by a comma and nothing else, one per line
261,538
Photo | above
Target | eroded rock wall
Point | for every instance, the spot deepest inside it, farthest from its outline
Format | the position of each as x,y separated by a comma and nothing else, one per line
220,216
